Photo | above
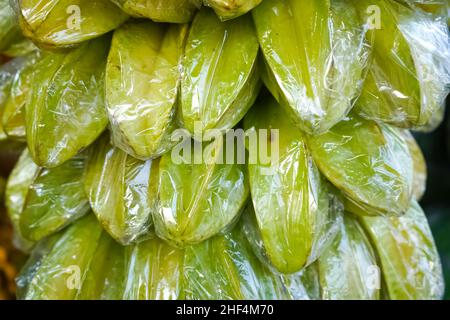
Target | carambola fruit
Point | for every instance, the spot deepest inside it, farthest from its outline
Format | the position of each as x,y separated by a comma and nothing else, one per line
174,11
220,81
230,9
409,259
65,23
289,195
9,29
369,162
142,80
120,191
409,76
314,55
198,200
348,268
419,165
65,113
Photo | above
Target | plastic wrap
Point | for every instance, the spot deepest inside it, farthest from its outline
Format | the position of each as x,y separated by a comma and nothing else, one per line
13,117
220,81
198,200
409,259
154,271
17,189
142,79
409,77
369,162
65,23
225,268
230,9
65,112
120,191
314,58
289,195
174,11
59,265
348,268
419,165
55,198
9,29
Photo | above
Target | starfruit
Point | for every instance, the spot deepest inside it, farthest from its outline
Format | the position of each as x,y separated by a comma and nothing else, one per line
154,271
65,23
220,80
174,11
17,189
348,268
234,272
65,112
409,259
288,193
9,29
55,198
314,55
199,195
142,79
120,191
409,77
57,271
230,9
419,165
13,117
369,162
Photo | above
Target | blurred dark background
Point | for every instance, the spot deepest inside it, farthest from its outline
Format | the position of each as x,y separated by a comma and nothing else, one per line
436,201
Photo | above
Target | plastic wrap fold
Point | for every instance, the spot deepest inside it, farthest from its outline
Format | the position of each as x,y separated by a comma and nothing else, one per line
409,76
65,23
220,81
198,195
65,112
369,162
230,9
348,268
142,79
120,191
174,11
314,55
409,259
289,195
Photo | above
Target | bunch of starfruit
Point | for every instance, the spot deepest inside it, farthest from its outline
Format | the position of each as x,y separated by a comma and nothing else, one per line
222,149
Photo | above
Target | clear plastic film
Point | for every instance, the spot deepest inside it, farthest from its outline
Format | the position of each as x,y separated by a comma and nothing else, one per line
142,80
225,267
409,76
55,198
289,196
315,55
121,192
9,29
17,189
369,162
173,11
231,9
199,194
13,117
408,256
65,23
348,268
220,80
419,165
64,110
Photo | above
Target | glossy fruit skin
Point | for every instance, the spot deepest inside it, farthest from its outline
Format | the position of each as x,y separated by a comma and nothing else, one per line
56,24
231,9
173,11
220,79
120,191
369,162
142,81
408,256
314,58
65,113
